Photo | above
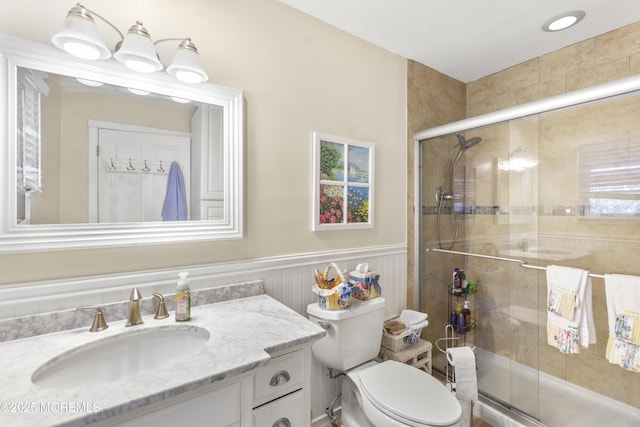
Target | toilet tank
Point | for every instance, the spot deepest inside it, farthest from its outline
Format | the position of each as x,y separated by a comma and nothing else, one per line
353,335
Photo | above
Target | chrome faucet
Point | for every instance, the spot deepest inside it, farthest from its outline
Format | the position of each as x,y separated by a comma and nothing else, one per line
134,308
161,311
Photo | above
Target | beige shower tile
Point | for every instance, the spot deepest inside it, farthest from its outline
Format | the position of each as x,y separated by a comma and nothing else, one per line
529,94
619,113
563,61
518,76
553,87
621,43
613,70
634,64
562,126
581,78
551,360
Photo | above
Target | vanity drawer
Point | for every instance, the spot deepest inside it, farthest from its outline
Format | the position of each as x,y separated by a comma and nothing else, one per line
285,412
282,375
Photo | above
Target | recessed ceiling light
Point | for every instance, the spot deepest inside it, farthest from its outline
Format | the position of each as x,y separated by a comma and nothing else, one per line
563,21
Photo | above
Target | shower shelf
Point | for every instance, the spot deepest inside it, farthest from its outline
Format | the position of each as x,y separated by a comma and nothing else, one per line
468,328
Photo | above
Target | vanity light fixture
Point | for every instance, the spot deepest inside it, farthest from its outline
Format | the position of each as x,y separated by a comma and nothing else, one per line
186,63
563,21
80,37
137,51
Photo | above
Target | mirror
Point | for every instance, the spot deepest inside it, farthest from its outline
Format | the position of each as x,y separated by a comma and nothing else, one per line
88,165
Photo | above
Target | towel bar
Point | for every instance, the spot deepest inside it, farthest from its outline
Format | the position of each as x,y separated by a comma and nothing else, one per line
522,263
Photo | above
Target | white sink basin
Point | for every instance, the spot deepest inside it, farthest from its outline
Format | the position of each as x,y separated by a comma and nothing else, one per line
119,356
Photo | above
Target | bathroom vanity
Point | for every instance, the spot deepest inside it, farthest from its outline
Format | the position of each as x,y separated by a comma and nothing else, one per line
242,362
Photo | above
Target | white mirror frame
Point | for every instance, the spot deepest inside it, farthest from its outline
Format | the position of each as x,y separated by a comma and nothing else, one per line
16,52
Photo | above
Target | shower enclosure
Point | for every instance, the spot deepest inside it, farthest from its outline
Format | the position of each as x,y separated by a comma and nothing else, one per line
552,182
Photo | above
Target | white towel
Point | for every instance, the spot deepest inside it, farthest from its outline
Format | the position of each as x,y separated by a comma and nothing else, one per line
569,328
415,327
463,359
623,315
412,316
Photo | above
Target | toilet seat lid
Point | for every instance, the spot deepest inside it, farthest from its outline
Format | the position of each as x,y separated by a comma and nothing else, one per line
419,397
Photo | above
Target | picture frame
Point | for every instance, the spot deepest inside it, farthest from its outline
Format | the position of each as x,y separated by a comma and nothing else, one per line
343,183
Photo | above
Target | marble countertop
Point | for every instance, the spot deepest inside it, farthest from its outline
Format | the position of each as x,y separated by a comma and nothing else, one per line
243,334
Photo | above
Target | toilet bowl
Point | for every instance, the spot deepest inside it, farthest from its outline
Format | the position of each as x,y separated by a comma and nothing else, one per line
387,394
393,394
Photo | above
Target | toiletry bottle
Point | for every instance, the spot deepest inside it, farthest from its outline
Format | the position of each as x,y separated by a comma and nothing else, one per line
459,319
457,282
466,313
461,324
183,298
453,320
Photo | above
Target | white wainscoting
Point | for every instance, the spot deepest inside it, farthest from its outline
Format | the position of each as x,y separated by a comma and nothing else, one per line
286,278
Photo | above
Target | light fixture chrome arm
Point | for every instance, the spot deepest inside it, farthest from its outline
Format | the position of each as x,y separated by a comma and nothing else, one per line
94,13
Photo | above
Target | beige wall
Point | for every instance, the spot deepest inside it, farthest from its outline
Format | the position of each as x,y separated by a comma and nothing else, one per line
298,75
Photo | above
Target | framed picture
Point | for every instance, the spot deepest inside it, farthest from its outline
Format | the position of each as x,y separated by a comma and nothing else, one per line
343,170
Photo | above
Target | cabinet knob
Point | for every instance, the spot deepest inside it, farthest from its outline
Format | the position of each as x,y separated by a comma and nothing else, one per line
280,378
282,422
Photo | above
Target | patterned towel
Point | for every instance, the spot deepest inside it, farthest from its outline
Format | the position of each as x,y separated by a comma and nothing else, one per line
623,307
570,324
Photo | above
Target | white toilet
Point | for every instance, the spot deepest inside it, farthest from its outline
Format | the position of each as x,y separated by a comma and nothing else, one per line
375,394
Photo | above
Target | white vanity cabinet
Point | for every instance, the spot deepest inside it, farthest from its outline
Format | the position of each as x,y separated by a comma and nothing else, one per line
274,395
281,391
220,407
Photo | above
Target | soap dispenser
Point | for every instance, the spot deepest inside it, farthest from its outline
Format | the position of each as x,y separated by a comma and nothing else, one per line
183,298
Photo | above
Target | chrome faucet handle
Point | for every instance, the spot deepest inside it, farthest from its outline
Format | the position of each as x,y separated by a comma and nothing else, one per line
99,323
161,311
135,295
134,308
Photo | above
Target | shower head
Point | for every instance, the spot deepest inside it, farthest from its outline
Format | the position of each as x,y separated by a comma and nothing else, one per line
444,192
464,145
467,143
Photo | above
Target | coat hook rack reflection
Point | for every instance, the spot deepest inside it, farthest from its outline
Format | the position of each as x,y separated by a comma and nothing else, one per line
146,167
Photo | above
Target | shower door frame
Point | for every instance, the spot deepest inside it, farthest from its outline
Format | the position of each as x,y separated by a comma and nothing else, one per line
569,99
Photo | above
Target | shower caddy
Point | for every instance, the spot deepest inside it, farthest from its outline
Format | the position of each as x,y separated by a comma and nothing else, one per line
452,337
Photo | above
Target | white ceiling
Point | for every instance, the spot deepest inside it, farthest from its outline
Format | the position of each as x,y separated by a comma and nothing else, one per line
469,39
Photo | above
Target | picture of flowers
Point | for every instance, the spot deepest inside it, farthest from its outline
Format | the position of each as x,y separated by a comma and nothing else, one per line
343,183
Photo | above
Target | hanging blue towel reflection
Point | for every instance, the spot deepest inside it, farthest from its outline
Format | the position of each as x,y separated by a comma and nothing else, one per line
175,201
